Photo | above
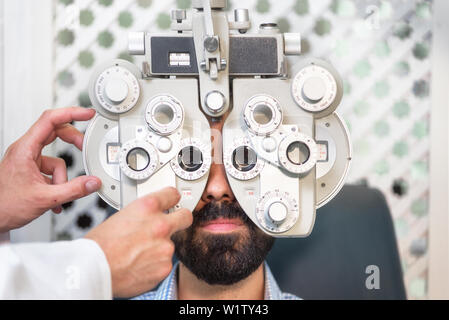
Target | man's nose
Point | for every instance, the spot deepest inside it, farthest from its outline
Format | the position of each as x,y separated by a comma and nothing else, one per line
217,188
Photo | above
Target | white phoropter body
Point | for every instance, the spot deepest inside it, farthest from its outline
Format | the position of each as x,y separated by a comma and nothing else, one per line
285,150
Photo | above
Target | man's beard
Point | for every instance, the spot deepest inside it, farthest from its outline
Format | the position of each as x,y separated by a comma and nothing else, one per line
222,259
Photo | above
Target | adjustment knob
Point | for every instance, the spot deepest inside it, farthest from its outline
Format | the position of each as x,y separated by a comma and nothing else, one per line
241,20
292,44
214,4
317,88
165,145
277,213
215,101
116,90
178,15
136,43
241,15
314,90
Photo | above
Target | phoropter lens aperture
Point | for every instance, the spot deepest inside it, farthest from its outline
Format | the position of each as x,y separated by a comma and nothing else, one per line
298,153
190,159
244,159
138,159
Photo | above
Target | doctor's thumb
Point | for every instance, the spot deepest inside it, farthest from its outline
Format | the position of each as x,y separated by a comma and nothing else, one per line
75,189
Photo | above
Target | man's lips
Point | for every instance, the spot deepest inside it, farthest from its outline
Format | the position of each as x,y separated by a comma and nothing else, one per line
222,225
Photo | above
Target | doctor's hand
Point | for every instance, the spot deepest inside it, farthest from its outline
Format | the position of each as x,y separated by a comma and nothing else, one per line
137,242
30,183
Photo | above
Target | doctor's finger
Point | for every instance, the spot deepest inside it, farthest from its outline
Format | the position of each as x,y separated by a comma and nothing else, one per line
55,167
167,198
50,120
155,202
67,133
180,220
73,190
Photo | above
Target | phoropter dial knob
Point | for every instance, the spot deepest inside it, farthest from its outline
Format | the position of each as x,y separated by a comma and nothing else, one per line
277,211
215,102
117,90
317,89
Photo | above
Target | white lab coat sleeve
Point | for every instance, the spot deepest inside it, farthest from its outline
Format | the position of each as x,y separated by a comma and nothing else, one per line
75,270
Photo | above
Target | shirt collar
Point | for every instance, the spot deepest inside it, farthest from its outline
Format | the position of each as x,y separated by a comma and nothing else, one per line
168,290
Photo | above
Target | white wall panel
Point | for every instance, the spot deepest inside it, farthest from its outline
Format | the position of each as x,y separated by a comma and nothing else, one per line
27,79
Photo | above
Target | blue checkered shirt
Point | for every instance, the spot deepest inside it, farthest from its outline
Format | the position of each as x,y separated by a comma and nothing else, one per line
168,290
